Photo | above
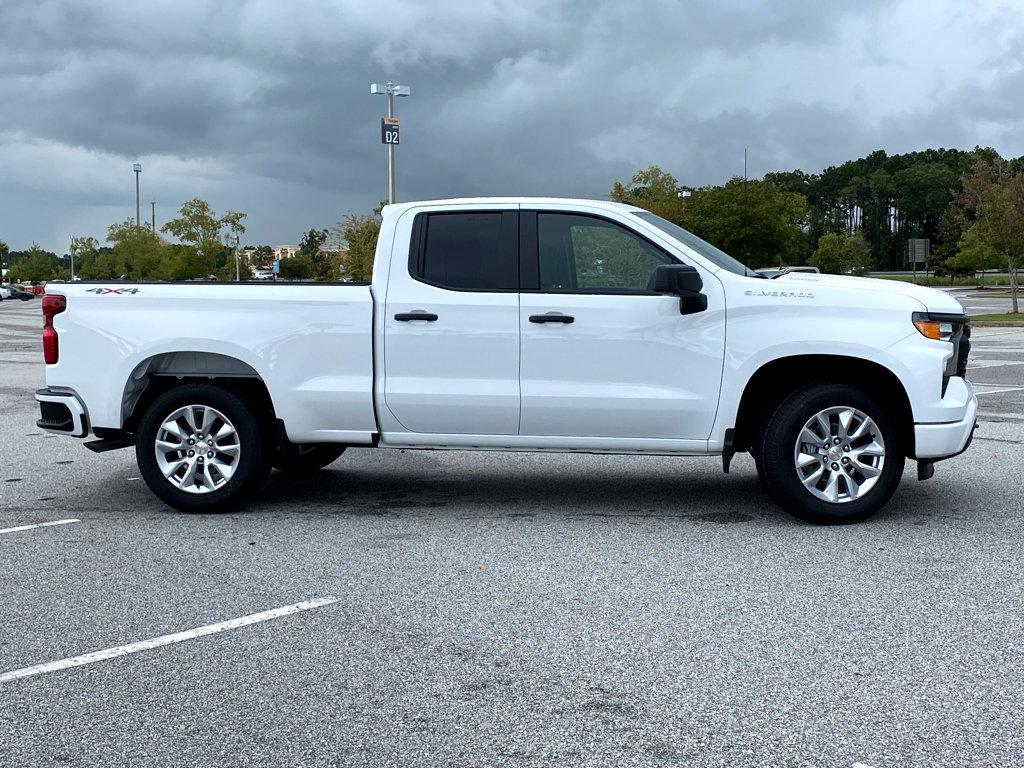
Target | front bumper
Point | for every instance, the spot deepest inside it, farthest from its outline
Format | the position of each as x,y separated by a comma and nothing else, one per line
946,439
61,412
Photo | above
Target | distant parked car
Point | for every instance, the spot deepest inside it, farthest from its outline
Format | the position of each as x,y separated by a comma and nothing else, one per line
778,272
17,293
5,293
263,275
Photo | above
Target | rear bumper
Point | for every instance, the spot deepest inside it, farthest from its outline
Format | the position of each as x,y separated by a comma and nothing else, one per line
946,439
61,412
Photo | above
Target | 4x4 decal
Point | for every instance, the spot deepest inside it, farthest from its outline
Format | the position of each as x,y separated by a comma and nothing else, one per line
112,291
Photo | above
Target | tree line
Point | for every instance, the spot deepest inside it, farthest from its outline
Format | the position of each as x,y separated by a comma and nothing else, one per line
858,216
852,218
204,250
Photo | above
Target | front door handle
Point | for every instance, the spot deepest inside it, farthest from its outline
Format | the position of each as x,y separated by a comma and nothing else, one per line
552,317
415,316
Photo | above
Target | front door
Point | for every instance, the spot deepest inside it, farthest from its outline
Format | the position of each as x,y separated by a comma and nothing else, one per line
451,325
602,354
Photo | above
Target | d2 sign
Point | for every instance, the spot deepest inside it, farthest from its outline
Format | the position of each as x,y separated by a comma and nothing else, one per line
389,130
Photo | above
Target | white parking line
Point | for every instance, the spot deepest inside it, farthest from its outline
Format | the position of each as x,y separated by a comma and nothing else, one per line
165,640
39,525
990,363
992,389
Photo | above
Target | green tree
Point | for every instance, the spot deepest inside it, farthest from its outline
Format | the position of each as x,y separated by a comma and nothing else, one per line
136,252
993,198
975,253
325,265
262,257
654,190
198,226
842,254
298,266
755,221
85,251
359,234
39,265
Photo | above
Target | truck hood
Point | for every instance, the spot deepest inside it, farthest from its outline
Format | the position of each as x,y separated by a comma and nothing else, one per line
932,299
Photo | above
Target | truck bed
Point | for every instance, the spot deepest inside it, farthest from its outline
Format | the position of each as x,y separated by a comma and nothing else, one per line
310,343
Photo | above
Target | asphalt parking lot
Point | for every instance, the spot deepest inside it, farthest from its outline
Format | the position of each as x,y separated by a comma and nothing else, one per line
510,608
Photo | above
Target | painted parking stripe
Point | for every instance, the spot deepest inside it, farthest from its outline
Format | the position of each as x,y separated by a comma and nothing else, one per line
990,363
992,389
39,525
165,640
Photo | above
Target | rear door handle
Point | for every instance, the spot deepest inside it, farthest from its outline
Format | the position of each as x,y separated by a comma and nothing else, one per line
552,317
415,316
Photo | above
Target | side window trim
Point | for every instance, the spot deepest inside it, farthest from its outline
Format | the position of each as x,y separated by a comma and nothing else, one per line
529,255
509,247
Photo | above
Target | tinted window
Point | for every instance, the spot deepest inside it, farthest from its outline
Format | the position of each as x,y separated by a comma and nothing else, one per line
470,251
581,253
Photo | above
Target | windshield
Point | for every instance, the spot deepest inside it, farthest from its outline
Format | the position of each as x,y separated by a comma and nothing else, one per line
702,247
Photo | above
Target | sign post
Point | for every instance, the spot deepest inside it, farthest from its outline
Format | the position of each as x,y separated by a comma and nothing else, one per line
917,253
389,127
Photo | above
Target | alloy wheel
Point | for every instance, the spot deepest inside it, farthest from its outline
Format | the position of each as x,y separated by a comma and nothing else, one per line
839,454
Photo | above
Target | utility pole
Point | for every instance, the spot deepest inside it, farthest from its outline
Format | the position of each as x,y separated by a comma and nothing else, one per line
152,205
137,168
234,243
389,127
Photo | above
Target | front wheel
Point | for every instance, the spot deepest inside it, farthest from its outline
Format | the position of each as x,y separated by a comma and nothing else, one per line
831,454
200,448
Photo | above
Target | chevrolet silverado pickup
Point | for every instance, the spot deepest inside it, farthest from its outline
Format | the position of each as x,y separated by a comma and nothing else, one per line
518,324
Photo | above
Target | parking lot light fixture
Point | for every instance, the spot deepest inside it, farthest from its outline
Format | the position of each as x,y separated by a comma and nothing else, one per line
391,89
137,168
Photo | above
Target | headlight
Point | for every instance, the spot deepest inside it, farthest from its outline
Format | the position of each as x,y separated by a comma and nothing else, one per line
939,326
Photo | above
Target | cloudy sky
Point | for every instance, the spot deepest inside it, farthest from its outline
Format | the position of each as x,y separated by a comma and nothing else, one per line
262,105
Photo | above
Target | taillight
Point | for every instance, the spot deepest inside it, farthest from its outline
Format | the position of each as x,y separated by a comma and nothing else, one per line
52,304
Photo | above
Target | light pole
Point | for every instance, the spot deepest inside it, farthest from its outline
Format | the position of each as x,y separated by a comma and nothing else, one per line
137,168
389,127
71,251
152,205
234,246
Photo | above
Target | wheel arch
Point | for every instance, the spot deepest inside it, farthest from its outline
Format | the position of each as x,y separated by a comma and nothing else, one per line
159,373
774,380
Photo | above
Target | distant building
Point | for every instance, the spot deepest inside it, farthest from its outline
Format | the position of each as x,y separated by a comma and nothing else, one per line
283,252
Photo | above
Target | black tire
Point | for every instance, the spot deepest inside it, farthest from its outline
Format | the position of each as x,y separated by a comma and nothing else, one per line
253,462
25,298
778,470
305,459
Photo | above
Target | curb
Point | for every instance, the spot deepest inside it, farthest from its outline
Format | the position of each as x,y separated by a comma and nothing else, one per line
997,323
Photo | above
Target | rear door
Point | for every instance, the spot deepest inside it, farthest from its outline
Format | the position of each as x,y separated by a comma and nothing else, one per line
451,324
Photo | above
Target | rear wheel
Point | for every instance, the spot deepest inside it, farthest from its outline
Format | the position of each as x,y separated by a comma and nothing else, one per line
303,459
200,448
831,454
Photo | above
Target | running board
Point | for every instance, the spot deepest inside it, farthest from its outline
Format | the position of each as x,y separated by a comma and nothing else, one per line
109,444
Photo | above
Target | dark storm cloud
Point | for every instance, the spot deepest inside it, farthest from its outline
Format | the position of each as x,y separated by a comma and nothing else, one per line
263,106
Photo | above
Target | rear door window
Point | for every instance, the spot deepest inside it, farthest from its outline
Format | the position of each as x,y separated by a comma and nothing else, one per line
467,251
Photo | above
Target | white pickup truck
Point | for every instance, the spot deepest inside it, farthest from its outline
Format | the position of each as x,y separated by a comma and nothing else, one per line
518,324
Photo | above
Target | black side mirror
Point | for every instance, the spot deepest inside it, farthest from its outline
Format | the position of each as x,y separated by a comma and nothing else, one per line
683,281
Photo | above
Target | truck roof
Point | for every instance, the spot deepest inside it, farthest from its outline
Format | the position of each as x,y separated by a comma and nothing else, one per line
513,200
